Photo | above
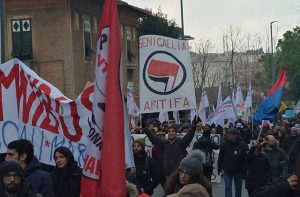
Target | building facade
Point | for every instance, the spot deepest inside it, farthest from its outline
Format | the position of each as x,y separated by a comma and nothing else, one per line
57,39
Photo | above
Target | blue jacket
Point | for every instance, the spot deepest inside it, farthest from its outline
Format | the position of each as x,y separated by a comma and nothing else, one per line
39,179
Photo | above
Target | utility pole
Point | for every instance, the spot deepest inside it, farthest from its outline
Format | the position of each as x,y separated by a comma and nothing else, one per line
182,25
2,31
273,65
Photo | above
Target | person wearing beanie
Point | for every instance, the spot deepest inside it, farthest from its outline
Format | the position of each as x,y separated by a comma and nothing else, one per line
22,151
66,174
190,171
173,148
146,168
207,145
13,182
232,160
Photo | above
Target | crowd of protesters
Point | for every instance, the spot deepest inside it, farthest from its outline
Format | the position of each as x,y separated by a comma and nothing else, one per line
266,158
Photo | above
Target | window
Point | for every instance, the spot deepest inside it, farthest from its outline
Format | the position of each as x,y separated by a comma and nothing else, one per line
22,39
130,54
87,39
76,21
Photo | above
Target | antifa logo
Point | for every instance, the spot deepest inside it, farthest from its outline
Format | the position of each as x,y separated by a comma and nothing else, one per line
163,76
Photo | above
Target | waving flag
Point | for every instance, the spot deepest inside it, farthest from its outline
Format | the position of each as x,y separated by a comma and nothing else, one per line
104,163
219,99
248,102
238,96
225,111
202,105
268,109
133,109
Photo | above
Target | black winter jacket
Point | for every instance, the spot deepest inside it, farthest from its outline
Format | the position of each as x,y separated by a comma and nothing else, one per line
146,172
67,181
280,188
173,151
39,179
232,157
258,170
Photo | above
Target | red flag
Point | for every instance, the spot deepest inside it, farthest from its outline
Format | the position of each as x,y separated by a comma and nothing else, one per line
104,163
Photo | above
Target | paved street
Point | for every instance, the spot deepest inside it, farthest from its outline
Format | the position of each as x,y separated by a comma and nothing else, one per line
218,190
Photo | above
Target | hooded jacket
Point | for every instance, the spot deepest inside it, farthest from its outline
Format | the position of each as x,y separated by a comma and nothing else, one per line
232,157
39,179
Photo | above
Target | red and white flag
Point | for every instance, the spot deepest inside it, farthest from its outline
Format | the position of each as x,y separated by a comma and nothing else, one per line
104,162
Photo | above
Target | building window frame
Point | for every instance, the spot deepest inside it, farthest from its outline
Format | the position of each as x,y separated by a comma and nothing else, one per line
22,38
87,38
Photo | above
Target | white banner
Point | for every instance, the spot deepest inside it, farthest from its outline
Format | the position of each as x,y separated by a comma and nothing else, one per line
225,111
166,82
33,109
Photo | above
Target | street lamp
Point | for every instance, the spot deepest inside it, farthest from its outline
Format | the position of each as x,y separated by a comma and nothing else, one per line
273,66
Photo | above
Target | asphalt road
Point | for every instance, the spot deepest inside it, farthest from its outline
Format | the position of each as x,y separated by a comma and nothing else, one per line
218,190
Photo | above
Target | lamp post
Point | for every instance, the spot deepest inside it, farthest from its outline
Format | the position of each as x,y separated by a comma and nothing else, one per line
273,66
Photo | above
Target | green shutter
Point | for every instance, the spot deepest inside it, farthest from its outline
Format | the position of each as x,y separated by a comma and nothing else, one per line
22,39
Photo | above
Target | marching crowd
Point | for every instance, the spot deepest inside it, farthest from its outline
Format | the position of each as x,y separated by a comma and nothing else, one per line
268,160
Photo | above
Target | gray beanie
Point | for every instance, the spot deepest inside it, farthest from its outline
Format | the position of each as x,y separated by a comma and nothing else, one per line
193,164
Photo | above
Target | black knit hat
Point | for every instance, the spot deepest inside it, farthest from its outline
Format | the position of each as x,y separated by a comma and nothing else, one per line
11,166
193,164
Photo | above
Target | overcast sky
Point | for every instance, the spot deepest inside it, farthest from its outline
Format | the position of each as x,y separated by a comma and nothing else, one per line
209,18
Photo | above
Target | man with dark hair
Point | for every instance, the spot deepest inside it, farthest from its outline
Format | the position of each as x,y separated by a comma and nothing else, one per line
22,151
146,168
12,180
173,148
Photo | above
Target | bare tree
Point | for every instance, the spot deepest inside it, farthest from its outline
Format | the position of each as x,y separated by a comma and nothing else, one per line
201,64
233,39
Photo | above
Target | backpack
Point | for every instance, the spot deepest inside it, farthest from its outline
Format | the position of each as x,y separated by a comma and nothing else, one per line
204,145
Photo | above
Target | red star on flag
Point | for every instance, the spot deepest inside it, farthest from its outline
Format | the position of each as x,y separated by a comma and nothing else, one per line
47,143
